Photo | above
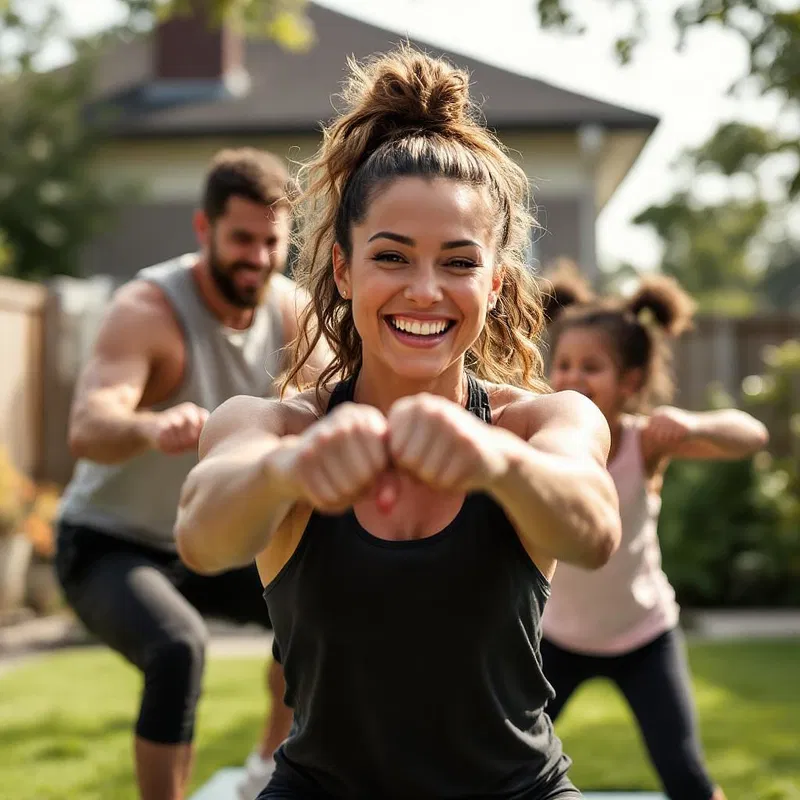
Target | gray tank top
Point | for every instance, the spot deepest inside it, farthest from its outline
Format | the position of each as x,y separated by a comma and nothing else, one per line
138,499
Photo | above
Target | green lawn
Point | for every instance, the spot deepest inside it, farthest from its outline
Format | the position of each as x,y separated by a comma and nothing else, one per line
65,725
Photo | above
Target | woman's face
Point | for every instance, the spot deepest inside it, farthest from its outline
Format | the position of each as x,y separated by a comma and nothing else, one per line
422,275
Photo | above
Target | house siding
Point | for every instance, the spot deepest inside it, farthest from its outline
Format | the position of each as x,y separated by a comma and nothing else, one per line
146,234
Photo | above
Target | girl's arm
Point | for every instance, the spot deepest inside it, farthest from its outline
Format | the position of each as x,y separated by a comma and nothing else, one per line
726,434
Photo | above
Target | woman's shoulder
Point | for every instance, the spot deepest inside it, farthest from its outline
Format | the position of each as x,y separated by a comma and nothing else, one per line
286,416
506,397
512,405
522,411
503,398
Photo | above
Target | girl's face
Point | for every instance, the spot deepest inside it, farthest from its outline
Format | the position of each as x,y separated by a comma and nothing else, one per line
584,362
421,277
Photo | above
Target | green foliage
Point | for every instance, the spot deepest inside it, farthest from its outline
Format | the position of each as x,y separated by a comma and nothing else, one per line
708,238
770,33
737,148
781,280
706,247
6,254
730,531
51,205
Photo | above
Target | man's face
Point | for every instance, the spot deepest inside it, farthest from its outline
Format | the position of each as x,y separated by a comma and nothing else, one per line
244,247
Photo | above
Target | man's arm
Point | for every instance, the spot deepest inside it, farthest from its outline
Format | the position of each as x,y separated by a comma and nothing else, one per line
105,425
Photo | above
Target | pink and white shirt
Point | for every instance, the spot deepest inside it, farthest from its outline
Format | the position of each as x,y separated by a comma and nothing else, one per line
629,601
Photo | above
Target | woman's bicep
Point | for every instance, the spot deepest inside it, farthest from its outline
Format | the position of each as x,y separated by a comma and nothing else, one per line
241,418
569,424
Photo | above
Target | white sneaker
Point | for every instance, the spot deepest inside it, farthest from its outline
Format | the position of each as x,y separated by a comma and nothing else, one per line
258,771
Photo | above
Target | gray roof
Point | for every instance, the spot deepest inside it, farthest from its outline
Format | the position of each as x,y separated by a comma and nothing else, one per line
291,92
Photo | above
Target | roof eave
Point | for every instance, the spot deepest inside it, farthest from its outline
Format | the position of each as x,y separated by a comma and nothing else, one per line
644,123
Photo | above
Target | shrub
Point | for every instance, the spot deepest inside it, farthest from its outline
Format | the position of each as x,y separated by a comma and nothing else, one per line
730,531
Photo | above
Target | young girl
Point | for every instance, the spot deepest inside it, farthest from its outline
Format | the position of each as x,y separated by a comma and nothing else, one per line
406,520
621,622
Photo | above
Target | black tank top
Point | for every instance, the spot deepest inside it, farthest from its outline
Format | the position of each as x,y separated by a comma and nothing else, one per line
413,667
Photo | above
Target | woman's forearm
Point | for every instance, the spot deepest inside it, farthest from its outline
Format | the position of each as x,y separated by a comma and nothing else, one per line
563,506
231,504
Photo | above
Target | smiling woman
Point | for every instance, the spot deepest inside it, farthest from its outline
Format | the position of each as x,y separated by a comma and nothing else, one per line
458,173
406,520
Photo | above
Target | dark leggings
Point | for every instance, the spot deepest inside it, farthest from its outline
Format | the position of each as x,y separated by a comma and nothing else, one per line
655,681
148,607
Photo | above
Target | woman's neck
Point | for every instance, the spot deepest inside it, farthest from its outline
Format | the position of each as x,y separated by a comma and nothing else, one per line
377,386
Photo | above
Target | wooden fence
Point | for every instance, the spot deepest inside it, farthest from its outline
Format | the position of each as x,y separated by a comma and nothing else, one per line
724,352
46,334
22,308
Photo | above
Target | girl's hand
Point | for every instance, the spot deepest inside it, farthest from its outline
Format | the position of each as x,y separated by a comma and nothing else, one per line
669,427
443,445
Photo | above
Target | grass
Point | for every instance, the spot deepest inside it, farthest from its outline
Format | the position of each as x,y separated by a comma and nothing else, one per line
749,707
65,724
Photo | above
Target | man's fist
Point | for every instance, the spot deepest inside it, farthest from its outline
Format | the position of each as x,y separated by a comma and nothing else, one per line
175,430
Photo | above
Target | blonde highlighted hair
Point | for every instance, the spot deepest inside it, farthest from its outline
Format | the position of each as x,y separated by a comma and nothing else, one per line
408,114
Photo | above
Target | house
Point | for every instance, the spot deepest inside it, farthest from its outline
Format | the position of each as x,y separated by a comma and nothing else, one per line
187,90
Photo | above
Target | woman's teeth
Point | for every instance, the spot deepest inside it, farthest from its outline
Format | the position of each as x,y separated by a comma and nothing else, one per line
431,328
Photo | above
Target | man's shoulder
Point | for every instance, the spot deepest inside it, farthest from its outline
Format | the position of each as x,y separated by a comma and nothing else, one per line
164,270
282,288
141,308
140,297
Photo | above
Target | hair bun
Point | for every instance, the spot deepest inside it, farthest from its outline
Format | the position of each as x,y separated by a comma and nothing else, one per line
564,286
408,90
663,299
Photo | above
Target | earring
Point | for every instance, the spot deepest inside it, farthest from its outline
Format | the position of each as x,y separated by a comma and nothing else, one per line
344,294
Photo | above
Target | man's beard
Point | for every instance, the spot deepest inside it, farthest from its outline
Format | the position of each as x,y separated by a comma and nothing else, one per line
223,277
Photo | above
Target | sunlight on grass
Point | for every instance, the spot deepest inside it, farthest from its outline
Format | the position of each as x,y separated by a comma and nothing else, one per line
749,711
67,720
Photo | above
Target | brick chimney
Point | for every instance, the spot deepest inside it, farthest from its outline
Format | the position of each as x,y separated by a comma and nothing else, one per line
195,59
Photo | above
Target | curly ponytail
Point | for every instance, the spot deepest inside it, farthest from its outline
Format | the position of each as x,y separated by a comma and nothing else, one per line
407,114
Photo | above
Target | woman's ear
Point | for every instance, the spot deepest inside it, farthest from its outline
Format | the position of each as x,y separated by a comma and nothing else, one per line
497,288
341,271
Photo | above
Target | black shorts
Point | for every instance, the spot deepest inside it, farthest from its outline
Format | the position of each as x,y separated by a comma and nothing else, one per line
235,596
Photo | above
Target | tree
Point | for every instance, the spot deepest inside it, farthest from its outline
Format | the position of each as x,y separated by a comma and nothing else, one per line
781,281
50,204
285,21
770,32
711,247
706,249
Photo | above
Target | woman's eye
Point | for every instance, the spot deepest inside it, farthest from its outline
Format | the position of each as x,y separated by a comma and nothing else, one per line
462,263
389,258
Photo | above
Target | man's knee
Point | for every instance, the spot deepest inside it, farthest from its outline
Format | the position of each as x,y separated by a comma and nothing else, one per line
173,676
177,661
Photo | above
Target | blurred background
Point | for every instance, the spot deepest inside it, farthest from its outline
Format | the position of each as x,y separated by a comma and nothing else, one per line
658,136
